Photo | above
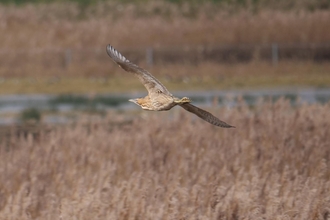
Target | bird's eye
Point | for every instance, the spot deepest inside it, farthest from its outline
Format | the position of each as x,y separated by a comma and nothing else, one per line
158,91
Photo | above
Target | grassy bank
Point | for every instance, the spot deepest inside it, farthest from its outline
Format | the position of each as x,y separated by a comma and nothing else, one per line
274,165
109,78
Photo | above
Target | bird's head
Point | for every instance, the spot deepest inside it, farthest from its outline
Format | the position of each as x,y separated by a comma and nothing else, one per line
142,103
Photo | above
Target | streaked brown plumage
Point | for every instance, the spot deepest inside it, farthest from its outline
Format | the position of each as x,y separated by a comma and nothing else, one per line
159,98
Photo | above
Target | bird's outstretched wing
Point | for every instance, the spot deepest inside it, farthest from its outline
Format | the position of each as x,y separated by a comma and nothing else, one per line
149,81
207,116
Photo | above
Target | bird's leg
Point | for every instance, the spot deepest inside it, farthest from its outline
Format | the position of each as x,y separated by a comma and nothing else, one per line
182,101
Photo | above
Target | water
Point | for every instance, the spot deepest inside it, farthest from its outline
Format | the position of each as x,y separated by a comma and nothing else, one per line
15,104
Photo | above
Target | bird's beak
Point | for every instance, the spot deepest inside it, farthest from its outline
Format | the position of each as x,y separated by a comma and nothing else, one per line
133,100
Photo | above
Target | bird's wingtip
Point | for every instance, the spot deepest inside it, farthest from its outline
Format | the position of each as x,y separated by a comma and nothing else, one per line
115,55
109,49
229,126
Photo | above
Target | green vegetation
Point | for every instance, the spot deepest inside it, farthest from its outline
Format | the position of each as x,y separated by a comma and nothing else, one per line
30,115
284,4
20,2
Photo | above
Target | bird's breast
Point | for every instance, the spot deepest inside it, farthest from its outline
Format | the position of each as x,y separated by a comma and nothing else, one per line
163,103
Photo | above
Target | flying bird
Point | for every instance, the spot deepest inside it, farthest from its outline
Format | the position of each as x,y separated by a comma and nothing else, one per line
159,98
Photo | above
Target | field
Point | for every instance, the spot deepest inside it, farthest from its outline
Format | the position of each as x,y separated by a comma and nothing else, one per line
172,165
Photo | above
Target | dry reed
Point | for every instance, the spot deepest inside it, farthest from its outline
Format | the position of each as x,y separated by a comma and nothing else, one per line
159,23
274,165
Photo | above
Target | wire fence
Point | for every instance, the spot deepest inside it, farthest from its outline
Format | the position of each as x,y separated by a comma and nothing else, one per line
64,57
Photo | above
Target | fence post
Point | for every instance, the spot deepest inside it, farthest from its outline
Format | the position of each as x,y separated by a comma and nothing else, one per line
150,56
274,54
68,57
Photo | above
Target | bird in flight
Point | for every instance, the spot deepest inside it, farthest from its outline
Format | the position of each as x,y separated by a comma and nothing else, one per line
159,98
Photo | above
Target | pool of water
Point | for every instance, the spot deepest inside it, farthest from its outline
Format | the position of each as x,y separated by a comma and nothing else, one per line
15,104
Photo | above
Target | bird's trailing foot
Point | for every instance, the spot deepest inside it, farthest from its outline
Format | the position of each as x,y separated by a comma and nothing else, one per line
182,101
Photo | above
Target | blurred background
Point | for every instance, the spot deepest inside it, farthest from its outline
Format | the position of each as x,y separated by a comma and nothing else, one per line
54,68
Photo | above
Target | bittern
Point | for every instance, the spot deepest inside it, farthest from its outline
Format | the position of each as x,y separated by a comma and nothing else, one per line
159,98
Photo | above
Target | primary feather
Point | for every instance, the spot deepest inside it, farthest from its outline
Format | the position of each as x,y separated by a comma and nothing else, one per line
148,80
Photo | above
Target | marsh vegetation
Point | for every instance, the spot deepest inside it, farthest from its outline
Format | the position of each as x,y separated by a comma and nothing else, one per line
274,165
